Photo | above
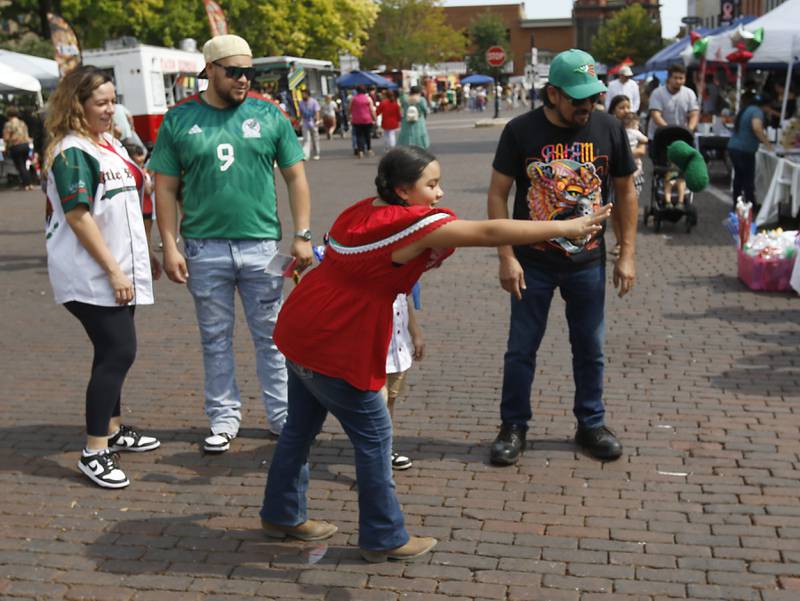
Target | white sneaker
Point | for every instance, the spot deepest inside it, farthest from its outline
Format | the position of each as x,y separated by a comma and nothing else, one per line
400,462
218,443
102,468
128,438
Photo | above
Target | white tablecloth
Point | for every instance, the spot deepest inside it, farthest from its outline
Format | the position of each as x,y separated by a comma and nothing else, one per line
777,181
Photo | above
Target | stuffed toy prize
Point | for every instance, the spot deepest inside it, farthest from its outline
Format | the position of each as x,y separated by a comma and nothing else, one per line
690,163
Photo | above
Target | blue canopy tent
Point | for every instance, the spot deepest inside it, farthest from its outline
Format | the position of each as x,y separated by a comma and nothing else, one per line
364,78
646,75
672,53
476,79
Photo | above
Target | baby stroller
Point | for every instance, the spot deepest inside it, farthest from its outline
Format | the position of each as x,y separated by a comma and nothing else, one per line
661,208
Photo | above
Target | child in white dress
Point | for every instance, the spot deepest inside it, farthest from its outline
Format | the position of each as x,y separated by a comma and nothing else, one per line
405,346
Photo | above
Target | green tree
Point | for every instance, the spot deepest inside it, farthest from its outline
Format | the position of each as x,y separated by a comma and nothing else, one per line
313,28
28,44
485,30
631,32
412,31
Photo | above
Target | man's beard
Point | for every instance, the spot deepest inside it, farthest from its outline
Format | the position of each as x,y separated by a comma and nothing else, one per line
227,98
573,123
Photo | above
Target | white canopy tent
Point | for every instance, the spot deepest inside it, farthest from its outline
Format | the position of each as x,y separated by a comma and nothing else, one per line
44,70
780,46
12,80
781,27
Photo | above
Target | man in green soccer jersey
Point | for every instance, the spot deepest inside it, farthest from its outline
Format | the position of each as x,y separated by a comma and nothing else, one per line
219,148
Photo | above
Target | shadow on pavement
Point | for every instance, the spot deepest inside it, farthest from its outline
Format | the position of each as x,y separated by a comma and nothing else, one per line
719,283
746,314
21,232
769,374
22,262
192,545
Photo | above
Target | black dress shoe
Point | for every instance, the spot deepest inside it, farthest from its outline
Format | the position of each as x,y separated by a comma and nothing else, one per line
599,442
508,445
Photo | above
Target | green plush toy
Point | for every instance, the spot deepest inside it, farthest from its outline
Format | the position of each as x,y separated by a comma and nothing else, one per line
691,164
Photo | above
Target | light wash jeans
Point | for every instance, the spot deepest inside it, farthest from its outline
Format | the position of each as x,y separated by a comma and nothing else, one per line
365,419
216,269
310,141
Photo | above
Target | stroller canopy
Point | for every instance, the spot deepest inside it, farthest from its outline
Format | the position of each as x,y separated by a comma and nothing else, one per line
663,137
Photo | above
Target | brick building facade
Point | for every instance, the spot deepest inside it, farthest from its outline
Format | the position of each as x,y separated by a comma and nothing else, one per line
709,11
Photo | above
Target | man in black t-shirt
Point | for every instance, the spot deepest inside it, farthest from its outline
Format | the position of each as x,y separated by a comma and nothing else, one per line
563,158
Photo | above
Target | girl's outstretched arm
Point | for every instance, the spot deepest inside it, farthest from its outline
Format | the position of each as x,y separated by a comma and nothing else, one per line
498,232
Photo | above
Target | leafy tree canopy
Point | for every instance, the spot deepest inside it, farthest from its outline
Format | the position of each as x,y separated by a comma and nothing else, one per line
312,28
631,32
412,32
485,31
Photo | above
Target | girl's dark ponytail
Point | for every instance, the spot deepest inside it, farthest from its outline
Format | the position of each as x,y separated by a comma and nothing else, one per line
401,166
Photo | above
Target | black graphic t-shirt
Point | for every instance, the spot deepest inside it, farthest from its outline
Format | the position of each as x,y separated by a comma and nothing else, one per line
562,173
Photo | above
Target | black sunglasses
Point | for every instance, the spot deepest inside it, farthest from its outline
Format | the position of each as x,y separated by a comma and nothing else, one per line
236,72
579,101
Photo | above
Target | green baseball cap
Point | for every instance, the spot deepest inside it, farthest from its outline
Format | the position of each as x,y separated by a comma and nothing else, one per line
573,71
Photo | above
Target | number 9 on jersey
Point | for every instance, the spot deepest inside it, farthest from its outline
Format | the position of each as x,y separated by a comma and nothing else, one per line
225,155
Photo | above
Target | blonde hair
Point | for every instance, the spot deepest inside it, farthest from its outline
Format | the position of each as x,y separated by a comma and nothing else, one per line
65,108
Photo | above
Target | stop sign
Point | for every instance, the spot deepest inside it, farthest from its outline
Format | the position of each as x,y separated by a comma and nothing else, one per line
496,56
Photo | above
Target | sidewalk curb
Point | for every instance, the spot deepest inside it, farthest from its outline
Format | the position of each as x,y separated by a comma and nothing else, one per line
491,122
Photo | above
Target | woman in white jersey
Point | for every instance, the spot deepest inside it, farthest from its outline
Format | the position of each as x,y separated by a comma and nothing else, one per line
97,256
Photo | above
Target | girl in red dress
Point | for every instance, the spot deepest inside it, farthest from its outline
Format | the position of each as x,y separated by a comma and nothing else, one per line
335,327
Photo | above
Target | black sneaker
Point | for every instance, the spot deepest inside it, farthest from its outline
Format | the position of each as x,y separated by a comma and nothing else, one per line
508,445
599,442
400,462
102,468
217,443
128,439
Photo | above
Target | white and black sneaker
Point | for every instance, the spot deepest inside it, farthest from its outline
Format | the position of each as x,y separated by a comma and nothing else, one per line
400,462
102,468
128,439
217,443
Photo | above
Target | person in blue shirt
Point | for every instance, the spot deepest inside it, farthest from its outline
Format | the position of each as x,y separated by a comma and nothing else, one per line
748,132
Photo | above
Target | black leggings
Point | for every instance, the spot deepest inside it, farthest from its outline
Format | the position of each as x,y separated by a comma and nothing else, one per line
744,176
19,154
363,141
113,336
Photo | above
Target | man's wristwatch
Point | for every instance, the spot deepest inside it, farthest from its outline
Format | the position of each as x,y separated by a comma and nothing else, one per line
303,234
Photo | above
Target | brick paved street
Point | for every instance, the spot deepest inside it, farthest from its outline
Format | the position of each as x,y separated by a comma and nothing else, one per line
702,386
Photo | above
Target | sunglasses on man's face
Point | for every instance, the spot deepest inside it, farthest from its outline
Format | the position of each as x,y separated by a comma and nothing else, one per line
580,101
236,72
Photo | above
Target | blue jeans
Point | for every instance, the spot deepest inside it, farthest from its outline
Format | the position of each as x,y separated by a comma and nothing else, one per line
365,420
584,294
216,269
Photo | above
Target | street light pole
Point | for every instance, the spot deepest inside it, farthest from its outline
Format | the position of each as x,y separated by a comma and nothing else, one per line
496,94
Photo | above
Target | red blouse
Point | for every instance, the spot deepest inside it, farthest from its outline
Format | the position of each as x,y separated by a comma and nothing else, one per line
391,114
338,320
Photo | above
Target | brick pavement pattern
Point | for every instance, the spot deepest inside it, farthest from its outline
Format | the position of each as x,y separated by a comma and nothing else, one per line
702,386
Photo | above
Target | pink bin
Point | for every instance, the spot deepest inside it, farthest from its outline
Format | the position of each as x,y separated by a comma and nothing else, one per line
771,275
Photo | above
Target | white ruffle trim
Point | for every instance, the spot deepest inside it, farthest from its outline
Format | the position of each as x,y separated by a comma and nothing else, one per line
421,224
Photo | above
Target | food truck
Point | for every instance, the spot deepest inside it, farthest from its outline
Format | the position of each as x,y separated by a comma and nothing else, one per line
282,78
148,79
